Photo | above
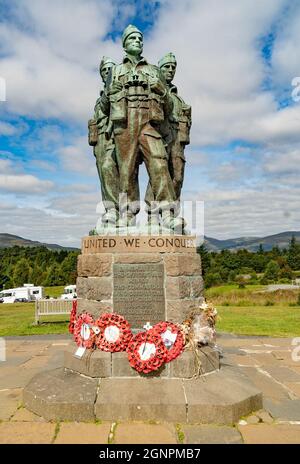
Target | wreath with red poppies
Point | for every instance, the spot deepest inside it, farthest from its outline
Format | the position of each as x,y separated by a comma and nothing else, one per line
147,352
73,317
84,334
115,333
172,337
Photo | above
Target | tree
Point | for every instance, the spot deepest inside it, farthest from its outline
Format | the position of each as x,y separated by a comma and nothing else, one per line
55,276
272,271
293,254
205,258
21,272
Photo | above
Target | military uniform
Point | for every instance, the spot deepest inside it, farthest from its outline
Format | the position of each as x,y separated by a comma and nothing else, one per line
180,127
100,137
106,164
137,112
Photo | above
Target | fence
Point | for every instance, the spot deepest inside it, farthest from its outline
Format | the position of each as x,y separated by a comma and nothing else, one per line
52,308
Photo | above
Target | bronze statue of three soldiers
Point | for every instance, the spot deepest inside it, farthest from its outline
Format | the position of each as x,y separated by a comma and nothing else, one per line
139,117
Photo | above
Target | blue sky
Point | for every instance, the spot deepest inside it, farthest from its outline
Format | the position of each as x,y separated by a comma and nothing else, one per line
235,67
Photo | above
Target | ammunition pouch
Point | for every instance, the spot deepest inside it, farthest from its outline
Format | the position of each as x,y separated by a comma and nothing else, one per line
184,133
118,107
93,132
156,112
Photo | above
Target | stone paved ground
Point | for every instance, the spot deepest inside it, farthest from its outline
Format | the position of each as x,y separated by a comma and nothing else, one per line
267,361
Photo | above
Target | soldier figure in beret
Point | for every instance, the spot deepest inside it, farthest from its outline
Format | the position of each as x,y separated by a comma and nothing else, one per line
180,124
137,101
101,137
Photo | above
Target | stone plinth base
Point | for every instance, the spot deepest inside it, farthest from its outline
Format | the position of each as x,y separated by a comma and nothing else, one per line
102,365
221,397
142,278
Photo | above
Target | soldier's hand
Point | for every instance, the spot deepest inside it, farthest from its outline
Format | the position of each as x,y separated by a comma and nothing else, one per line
157,87
115,87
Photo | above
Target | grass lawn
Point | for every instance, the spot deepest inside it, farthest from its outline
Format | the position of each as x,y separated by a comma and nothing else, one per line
275,321
18,319
54,292
241,311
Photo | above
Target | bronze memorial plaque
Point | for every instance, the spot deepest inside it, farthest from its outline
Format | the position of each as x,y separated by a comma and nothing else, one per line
139,293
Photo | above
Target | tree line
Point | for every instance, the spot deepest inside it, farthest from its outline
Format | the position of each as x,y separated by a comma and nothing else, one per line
242,266
37,265
41,266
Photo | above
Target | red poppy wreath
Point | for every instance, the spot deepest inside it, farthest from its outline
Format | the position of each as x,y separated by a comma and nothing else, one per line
73,317
84,334
115,333
146,352
172,337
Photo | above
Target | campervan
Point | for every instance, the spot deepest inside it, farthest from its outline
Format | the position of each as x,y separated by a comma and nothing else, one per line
21,294
69,293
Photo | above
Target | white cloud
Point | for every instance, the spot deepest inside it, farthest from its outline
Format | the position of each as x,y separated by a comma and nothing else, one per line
24,184
50,64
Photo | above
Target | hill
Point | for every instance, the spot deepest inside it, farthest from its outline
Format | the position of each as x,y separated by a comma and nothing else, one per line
212,244
252,243
9,240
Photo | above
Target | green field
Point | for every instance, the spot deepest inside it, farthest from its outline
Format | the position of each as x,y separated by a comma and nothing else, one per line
18,318
241,311
249,311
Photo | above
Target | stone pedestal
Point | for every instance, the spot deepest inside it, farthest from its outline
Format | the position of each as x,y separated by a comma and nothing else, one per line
143,278
146,279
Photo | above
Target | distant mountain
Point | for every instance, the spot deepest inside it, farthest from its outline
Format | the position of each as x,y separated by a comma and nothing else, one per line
8,241
212,244
252,243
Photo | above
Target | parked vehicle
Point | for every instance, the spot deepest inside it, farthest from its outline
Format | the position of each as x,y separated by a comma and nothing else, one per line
69,293
21,294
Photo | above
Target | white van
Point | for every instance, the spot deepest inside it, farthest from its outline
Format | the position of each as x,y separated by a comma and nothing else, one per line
21,294
14,295
36,293
69,293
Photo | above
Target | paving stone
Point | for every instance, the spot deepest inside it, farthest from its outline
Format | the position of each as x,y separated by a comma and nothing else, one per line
10,399
23,415
284,410
13,360
265,359
92,364
61,395
81,433
36,362
32,346
269,387
26,433
283,374
11,377
142,399
221,397
238,342
294,386
210,434
94,265
279,342
270,434
245,360
137,433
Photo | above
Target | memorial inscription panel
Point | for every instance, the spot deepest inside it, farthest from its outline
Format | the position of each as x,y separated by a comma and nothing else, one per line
138,293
